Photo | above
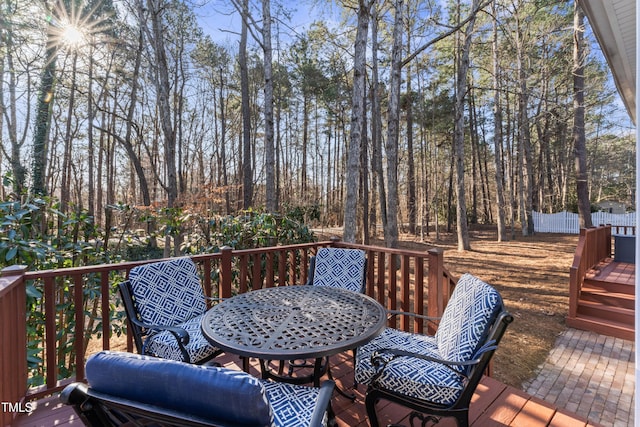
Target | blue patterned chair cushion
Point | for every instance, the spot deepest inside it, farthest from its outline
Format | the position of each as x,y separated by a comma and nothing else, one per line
167,292
413,377
205,391
461,332
466,319
341,268
293,405
163,344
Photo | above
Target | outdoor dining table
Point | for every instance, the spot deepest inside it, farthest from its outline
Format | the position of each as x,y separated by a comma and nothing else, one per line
293,322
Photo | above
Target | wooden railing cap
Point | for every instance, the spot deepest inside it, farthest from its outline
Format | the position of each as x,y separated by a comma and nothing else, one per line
13,270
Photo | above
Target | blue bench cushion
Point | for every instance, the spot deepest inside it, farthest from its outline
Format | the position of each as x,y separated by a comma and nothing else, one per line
209,392
168,292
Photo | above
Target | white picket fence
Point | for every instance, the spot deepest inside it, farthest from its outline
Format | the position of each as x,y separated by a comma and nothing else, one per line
567,222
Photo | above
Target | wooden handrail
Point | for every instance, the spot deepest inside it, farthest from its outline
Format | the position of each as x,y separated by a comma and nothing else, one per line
594,246
410,281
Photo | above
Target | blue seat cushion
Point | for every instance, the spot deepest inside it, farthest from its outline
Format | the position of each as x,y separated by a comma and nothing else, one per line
163,344
293,405
418,378
213,393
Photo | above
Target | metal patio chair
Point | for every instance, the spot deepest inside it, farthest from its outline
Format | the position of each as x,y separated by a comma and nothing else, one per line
165,302
136,390
338,268
436,376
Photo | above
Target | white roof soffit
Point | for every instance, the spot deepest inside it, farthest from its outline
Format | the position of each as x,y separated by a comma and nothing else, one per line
614,25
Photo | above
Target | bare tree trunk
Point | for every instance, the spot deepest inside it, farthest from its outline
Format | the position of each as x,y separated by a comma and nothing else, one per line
393,129
579,143
364,177
11,111
155,9
461,87
497,132
43,121
376,120
411,173
357,122
270,184
247,170
65,188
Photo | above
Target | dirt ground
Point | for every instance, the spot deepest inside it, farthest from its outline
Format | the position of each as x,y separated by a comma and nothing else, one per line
532,275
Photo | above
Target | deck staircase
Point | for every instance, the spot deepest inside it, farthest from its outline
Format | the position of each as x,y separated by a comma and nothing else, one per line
602,296
607,300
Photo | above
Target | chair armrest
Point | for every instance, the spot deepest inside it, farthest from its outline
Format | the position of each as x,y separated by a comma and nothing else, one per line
380,362
312,271
181,335
74,394
323,404
392,313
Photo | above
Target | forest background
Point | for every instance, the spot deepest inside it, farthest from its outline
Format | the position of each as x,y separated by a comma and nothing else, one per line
163,117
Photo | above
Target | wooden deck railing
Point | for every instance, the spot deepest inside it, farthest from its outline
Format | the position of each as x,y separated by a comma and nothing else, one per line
594,245
411,281
623,230
13,340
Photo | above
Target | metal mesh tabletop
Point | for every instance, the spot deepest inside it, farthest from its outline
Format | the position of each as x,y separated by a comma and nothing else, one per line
290,322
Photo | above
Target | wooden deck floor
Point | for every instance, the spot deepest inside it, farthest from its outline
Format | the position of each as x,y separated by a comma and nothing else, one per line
619,272
614,272
494,404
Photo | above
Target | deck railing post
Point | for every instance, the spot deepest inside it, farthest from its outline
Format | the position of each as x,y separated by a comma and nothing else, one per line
225,271
435,295
13,341
576,273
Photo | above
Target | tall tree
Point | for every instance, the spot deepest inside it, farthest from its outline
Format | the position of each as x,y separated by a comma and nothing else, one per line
357,121
393,128
497,130
43,115
458,133
247,170
376,121
270,184
153,11
579,140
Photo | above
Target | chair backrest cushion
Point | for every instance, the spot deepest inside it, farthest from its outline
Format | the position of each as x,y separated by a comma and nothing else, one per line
213,393
340,268
167,292
467,319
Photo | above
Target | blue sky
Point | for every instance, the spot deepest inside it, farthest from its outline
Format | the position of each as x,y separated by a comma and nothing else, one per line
220,20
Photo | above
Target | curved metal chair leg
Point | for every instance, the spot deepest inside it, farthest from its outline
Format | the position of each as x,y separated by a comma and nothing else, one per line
370,401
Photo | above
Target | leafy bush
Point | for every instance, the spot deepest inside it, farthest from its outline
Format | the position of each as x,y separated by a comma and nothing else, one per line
35,233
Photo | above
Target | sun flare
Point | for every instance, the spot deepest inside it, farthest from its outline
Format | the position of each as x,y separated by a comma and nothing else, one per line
72,36
72,27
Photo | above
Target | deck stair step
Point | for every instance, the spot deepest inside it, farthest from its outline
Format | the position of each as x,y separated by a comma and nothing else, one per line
612,299
605,327
609,286
606,312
